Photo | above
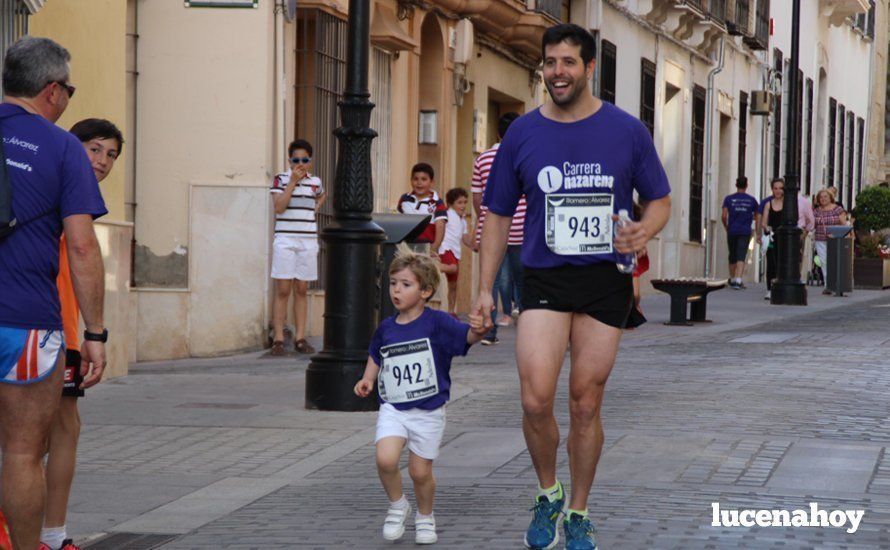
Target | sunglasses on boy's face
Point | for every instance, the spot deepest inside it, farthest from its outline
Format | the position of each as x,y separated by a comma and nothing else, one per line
300,160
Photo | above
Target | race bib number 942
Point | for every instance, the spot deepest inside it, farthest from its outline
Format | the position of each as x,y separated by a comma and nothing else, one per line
408,372
579,223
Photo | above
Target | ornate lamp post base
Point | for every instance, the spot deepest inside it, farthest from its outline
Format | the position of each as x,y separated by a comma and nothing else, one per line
788,294
349,319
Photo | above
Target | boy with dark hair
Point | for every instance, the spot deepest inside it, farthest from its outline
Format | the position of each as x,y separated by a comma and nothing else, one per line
456,234
424,200
297,197
103,142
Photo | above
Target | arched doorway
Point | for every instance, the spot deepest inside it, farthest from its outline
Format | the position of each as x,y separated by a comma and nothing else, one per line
431,88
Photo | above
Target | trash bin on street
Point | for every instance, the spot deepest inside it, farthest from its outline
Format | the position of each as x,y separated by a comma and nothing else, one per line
398,228
839,272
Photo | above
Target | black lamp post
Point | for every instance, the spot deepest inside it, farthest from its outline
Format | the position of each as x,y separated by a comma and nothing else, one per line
352,240
788,288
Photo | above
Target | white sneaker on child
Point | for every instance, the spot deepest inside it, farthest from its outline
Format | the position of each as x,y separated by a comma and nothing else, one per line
394,524
425,530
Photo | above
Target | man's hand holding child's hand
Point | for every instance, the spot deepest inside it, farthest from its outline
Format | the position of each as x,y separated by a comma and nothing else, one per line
477,325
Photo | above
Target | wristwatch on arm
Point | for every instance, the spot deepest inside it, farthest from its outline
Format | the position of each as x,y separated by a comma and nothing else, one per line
96,336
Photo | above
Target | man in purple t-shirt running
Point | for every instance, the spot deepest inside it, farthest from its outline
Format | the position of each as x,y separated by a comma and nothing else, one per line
578,161
53,187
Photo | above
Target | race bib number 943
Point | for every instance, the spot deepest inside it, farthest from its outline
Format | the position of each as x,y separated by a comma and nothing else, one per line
579,223
408,372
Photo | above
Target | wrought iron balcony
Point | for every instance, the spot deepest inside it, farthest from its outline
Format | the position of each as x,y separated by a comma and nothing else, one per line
553,8
737,22
839,10
760,39
717,11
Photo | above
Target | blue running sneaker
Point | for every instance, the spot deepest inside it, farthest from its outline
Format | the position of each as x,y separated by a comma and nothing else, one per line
579,533
542,533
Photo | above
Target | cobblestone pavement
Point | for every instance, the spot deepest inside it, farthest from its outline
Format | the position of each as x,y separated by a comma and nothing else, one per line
767,408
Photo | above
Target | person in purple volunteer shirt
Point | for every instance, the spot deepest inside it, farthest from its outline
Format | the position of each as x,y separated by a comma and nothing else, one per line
53,187
578,160
737,216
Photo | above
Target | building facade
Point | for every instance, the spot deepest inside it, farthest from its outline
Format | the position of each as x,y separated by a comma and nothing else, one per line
696,71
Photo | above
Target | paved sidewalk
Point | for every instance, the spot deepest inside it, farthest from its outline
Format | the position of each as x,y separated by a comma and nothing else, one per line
766,407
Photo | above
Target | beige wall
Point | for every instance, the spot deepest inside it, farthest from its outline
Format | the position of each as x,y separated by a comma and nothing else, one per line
114,240
206,112
97,46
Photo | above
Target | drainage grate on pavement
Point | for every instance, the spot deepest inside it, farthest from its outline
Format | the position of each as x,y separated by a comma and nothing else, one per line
130,541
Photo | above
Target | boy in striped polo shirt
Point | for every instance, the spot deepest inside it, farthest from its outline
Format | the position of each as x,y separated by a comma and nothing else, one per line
297,196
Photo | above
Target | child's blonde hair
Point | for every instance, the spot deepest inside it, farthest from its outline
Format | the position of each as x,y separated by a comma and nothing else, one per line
421,265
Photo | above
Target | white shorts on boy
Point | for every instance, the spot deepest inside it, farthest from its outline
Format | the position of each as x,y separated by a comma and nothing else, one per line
422,429
295,258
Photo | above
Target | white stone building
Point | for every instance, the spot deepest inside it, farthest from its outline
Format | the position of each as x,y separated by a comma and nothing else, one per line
661,60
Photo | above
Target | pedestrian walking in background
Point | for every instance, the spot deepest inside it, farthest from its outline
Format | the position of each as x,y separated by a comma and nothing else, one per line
297,196
827,213
578,160
103,143
508,283
424,200
456,236
53,187
410,360
738,215
770,221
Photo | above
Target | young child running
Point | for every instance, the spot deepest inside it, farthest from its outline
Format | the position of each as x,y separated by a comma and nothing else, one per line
456,234
410,359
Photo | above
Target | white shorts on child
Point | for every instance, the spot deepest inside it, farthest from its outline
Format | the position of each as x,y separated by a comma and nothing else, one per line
295,258
422,429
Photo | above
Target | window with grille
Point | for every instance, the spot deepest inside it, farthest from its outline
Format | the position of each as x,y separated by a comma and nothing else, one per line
13,25
841,143
832,137
743,132
777,119
647,95
699,96
381,87
798,147
742,9
608,67
851,141
320,80
808,157
865,22
860,140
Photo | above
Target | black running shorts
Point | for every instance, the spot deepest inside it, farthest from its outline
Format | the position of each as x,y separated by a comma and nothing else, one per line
738,247
599,290
73,379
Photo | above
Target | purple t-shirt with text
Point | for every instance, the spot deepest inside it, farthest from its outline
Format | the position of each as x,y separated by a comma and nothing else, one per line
51,179
447,338
740,208
604,157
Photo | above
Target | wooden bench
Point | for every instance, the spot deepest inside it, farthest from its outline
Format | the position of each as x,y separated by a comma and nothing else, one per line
685,291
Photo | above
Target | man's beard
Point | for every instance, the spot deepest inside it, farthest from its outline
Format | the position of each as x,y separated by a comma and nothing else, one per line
568,99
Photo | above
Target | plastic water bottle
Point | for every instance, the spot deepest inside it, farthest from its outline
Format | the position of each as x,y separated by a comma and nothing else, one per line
626,263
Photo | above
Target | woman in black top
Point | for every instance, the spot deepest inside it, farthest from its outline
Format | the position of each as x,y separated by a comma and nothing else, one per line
769,223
